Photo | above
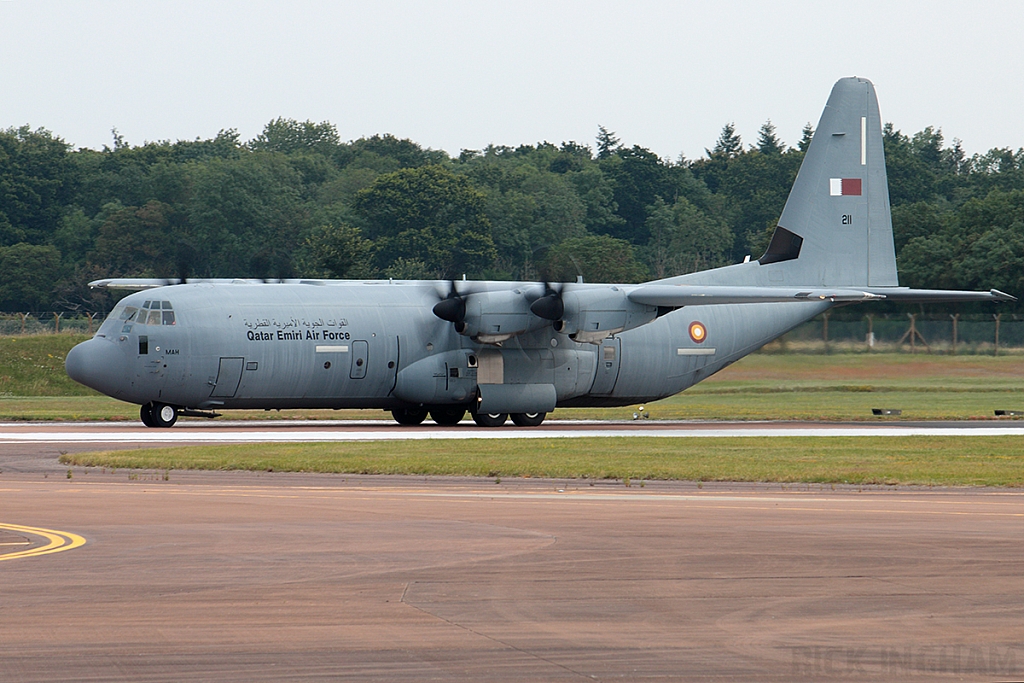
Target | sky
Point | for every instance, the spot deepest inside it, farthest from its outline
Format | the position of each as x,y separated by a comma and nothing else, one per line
461,75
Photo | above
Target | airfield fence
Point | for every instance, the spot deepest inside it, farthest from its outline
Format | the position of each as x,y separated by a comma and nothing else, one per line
967,334
49,322
974,334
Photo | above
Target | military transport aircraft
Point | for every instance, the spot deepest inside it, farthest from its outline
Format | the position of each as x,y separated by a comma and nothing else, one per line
519,349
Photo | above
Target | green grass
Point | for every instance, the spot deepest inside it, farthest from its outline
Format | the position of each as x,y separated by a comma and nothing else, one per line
65,408
33,365
945,461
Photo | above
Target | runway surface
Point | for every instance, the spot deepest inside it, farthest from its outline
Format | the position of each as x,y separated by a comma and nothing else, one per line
259,577
375,430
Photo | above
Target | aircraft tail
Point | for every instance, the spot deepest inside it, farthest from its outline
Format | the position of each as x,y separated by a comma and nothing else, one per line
836,228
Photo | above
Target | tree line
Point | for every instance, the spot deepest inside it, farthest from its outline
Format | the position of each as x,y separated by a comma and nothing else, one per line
297,201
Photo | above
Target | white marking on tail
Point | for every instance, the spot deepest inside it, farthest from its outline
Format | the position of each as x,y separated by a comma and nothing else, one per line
863,140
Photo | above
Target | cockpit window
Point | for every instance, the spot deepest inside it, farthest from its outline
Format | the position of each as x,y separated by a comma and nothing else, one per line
154,313
128,314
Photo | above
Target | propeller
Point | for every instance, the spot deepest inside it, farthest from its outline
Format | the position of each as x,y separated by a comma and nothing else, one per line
452,308
549,305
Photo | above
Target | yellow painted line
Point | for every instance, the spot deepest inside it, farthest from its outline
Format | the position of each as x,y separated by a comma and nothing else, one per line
57,541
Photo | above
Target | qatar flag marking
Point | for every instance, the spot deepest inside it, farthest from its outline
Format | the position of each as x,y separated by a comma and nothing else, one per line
844,187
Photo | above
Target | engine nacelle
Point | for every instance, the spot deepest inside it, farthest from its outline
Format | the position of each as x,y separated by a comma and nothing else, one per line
493,317
594,314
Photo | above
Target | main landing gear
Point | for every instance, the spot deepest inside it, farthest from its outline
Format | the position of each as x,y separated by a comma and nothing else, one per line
448,416
409,416
518,419
442,415
158,415
528,419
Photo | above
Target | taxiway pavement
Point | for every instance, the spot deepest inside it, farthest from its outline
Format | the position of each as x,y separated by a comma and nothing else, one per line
260,577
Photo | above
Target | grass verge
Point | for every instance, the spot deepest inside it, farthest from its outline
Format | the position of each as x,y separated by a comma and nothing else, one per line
943,461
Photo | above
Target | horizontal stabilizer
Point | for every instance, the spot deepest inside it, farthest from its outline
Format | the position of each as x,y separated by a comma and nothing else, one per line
937,296
711,295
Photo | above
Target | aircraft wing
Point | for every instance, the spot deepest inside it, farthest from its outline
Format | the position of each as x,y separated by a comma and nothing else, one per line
132,283
710,295
140,283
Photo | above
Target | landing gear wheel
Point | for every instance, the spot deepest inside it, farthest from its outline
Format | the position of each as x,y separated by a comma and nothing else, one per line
409,416
490,419
146,414
528,419
158,415
448,415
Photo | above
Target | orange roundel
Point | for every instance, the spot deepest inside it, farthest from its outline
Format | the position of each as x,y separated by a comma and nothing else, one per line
698,333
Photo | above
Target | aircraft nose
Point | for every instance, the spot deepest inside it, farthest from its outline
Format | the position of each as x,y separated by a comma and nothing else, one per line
98,364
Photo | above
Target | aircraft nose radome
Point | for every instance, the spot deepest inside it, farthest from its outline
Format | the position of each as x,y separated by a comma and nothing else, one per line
98,364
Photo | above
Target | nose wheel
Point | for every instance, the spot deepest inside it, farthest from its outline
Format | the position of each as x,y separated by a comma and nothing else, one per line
158,415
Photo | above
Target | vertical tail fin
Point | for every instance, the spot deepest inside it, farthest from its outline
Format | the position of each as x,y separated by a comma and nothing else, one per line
836,228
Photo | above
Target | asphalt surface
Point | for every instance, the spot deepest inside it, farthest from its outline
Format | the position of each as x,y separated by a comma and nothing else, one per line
258,577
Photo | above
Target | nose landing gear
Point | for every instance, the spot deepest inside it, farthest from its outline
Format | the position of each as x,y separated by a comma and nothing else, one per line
158,415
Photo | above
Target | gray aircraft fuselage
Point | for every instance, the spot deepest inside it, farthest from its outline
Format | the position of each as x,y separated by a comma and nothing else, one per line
378,345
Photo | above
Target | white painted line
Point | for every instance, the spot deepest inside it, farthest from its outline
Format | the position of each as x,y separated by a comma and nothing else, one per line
332,349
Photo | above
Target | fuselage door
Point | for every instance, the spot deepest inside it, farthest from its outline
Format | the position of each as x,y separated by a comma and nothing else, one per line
228,377
360,355
607,370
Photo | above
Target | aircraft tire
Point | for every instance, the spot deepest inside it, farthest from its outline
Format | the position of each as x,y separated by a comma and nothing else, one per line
162,415
146,414
409,416
446,416
528,419
490,419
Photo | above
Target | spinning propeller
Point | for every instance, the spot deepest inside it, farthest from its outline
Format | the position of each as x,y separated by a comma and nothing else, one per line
549,305
452,308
